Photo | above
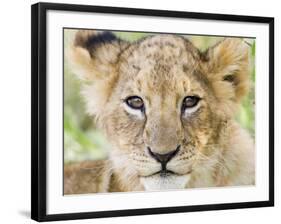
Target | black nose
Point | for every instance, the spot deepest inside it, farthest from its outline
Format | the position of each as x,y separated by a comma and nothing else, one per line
163,158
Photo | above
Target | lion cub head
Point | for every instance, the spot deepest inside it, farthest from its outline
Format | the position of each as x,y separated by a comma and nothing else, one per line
162,103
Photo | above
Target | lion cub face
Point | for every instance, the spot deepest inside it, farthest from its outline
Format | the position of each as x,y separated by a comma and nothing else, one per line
161,102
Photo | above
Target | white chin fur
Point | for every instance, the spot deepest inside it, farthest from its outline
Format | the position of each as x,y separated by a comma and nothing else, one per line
170,182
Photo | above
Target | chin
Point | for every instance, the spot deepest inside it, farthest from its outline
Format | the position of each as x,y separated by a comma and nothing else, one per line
165,182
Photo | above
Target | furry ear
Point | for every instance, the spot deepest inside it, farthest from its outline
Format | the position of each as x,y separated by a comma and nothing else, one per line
94,54
93,58
227,69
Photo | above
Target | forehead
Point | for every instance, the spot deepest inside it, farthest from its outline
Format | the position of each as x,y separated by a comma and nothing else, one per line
162,63
162,50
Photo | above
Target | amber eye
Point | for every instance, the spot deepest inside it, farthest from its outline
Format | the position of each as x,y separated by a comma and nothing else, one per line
189,102
135,102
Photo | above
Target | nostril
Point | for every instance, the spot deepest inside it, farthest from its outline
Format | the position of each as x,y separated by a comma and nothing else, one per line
175,152
152,154
163,158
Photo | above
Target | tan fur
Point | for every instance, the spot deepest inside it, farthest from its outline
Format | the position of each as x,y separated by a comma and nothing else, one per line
162,70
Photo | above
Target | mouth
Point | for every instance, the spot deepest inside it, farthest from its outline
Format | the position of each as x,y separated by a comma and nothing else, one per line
167,173
165,180
163,173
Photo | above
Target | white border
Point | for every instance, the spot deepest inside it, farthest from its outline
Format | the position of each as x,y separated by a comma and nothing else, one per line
57,203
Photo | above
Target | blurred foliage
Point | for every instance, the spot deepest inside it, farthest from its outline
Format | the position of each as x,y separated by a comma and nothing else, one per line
82,141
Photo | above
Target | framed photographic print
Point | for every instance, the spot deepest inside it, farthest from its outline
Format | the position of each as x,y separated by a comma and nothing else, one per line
139,111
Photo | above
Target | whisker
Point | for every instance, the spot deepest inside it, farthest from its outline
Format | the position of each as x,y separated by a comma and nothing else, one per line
210,158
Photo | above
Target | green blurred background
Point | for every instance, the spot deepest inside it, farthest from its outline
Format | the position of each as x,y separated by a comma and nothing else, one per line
82,141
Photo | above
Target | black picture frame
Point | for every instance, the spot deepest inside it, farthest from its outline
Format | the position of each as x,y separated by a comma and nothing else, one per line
39,120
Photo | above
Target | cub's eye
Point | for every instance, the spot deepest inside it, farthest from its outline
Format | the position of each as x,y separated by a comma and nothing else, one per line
135,102
190,102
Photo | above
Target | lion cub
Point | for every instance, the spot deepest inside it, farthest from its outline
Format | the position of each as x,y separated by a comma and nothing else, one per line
168,111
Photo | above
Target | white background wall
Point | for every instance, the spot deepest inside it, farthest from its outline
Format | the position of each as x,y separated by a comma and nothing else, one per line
15,110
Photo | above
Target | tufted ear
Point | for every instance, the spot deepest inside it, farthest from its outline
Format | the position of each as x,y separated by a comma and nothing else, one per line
93,58
227,69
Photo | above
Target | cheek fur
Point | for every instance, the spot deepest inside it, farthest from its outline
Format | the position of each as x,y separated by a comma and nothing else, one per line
121,126
198,124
